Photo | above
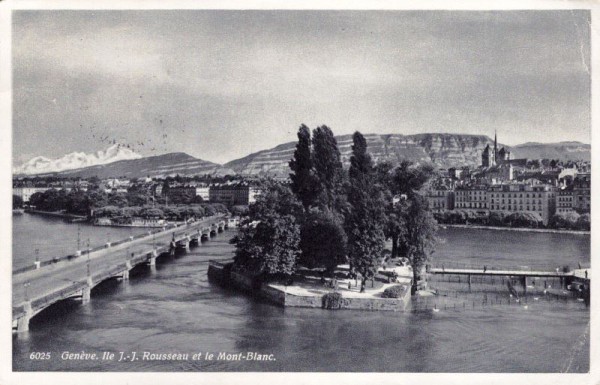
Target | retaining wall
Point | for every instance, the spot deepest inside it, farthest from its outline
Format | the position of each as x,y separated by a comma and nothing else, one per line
218,272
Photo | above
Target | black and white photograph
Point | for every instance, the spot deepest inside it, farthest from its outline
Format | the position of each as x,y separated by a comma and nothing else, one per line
299,190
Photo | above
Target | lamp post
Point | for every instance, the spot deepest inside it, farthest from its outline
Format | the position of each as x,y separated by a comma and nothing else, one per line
37,257
78,237
88,257
26,285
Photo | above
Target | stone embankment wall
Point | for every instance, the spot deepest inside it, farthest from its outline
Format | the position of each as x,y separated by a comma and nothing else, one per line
219,272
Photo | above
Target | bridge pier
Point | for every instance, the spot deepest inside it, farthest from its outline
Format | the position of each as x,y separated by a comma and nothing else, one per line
86,292
153,257
187,243
23,322
125,276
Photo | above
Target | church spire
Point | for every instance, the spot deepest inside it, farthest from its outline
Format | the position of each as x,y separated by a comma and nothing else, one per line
495,143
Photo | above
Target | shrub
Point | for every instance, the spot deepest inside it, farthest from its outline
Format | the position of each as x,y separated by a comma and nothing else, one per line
564,220
332,301
395,291
583,223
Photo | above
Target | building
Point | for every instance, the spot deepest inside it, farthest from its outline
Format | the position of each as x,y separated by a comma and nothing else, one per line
472,198
181,192
440,199
581,193
203,192
510,198
252,194
26,192
494,157
565,200
230,194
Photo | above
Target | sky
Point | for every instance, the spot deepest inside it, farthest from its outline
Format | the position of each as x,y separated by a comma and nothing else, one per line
219,85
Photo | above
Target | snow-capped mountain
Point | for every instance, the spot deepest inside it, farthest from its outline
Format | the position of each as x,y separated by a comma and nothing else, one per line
75,160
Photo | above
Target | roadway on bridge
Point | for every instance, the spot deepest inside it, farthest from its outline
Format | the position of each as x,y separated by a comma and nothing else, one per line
34,284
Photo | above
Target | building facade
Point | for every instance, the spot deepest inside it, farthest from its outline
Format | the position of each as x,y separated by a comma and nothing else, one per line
511,198
581,193
440,199
565,200
238,194
26,192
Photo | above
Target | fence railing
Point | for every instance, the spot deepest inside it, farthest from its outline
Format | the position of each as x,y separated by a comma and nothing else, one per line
502,267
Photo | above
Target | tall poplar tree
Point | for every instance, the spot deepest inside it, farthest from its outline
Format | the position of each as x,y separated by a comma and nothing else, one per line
364,223
327,163
304,183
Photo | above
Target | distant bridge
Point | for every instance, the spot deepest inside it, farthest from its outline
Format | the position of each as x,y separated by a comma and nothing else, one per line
35,290
581,275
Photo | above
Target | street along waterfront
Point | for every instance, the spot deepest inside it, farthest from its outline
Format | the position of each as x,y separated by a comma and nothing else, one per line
174,309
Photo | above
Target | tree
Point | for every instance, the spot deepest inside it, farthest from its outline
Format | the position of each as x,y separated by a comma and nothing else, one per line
17,202
239,210
409,179
523,219
303,179
364,223
122,200
418,239
583,223
327,165
267,245
323,240
564,220
405,180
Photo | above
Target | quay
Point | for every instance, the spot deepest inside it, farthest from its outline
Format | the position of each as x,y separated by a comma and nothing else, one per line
74,277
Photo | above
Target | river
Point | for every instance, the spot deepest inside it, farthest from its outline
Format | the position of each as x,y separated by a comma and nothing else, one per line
174,309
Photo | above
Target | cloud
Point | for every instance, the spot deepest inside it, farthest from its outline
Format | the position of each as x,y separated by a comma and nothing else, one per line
220,84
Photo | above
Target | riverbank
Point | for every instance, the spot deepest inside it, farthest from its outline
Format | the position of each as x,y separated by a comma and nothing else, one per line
520,229
57,214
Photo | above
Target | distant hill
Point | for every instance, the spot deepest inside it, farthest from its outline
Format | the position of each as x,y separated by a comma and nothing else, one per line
154,166
443,150
561,150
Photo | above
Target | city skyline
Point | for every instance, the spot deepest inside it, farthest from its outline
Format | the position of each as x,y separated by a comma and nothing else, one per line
219,85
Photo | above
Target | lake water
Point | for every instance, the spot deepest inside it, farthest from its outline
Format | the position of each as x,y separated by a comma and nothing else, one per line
174,309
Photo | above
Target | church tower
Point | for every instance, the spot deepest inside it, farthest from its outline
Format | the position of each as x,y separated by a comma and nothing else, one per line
495,148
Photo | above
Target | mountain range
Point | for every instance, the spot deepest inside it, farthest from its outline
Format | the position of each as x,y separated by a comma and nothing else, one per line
443,150
76,160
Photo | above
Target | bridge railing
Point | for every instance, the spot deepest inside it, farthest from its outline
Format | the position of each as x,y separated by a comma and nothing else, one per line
496,267
48,299
102,247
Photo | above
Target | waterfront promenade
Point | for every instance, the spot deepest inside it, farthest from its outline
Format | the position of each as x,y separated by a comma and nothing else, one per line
35,290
